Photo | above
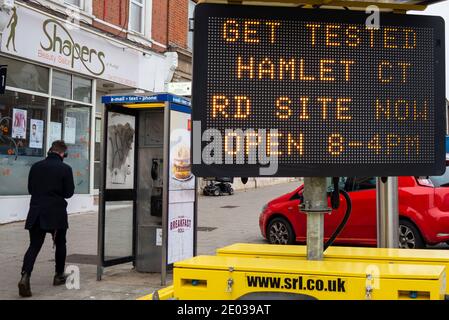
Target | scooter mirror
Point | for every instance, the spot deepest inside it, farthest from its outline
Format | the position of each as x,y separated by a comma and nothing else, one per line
244,180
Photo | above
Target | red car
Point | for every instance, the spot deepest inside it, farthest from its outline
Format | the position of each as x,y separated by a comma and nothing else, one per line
423,214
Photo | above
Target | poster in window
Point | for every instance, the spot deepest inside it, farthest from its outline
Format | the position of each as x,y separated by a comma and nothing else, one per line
55,131
181,177
36,133
70,130
120,151
19,124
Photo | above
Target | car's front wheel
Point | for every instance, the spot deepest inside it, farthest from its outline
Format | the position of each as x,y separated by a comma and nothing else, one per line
409,236
280,231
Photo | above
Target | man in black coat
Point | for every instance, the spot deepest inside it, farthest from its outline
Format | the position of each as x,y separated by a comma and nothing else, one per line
50,182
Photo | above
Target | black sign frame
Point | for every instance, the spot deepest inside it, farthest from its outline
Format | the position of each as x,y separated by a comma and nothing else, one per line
199,90
3,74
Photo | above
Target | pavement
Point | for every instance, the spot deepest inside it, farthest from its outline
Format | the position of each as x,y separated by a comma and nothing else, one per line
226,220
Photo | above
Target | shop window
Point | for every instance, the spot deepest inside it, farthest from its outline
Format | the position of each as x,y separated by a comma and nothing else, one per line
62,85
71,122
25,75
23,130
97,155
82,89
136,15
70,87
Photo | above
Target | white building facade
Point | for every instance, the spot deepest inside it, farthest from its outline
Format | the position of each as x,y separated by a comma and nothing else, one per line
57,72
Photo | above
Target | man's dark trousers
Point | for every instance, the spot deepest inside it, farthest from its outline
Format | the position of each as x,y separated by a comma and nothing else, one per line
37,238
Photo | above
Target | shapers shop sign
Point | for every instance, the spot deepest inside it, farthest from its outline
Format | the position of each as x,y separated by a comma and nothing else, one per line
59,43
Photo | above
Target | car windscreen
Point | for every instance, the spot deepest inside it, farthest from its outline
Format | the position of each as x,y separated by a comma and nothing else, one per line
441,181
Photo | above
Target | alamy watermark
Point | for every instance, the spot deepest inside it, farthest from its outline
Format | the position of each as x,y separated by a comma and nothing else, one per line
73,277
372,281
373,20
237,146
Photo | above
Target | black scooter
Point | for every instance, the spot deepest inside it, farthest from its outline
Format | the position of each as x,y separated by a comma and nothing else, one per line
218,187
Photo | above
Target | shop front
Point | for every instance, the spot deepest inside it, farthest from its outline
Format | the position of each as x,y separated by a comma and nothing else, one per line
56,73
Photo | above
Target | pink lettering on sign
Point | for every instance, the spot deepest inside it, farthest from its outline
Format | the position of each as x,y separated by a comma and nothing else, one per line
63,60
46,55
180,224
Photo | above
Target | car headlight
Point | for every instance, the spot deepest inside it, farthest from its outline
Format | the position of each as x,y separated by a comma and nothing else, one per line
264,207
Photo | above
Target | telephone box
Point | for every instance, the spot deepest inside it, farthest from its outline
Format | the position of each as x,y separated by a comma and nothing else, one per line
147,208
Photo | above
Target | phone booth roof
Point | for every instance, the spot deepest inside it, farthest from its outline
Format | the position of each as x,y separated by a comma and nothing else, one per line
146,101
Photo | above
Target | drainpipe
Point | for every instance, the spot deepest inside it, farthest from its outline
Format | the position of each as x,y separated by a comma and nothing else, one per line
120,12
104,10
168,23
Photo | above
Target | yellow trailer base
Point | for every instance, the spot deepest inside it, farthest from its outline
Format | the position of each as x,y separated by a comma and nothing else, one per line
236,277
373,256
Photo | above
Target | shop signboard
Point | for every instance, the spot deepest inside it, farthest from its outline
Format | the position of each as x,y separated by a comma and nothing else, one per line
49,40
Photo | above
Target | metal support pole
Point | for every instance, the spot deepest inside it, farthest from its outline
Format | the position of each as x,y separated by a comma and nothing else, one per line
165,194
101,201
387,212
315,205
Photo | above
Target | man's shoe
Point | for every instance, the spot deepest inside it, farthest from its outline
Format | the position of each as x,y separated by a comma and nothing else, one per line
59,279
24,286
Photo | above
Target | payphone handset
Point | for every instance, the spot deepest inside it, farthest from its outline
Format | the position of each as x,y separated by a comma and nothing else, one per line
156,173
156,191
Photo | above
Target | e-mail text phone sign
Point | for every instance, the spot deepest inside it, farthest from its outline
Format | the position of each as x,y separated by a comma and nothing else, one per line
345,99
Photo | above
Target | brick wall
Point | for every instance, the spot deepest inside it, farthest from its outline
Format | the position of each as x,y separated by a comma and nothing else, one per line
169,20
159,21
178,23
111,11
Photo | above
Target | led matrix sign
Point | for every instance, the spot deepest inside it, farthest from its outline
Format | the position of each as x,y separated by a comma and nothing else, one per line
318,92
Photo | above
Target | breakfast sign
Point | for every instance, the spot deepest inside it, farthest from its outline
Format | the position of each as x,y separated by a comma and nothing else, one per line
317,92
